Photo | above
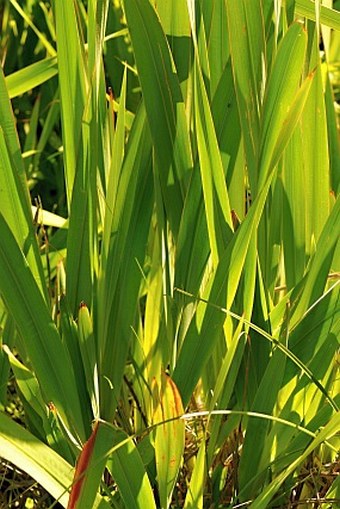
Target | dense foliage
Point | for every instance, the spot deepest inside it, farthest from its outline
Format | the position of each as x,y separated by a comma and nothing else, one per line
169,251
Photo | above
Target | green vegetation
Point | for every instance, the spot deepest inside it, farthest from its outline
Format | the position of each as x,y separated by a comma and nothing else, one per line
169,251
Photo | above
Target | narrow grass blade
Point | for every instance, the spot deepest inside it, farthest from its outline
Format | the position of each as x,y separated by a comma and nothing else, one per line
163,103
73,86
215,20
192,250
333,493
264,402
31,136
47,131
228,132
97,113
115,168
11,136
31,76
97,18
69,333
154,352
30,391
215,192
281,90
86,478
169,437
319,266
248,54
48,218
42,341
81,241
328,17
294,113
334,143
15,202
315,154
230,365
7,337
89,356
127,469
175,22
194,498
293,225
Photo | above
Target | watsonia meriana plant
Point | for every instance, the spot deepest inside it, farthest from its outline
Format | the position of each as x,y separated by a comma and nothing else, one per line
175,339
